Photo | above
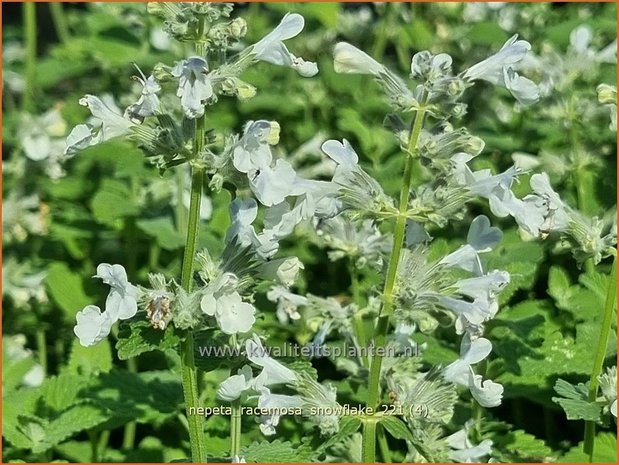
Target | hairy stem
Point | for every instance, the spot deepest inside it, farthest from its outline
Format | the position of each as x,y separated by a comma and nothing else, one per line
600,354
235,429
60,21
30,40
368,450
380,334
189,371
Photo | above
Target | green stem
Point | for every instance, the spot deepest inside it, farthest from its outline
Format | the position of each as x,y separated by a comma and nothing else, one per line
60,21
189,371
130,428
380,334
368,451
42,348
600,355
104,438
383,445
235,429
30,39
358,325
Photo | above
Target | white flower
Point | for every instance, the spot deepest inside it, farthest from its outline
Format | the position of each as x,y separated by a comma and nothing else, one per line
232,388
349,59
252,155
274,404
486,286
471,352
272,372
109,124
148,103
232,314
344,156
194,85
272,49
285,270
272,185
499,70
92,325
486,393
288,303
122,301
491,69
463,449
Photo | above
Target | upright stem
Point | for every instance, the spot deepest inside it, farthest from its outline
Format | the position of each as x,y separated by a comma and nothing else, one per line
235,429
600,355
30,39
189,371
368,450
60,21
382,325
130,428
188,366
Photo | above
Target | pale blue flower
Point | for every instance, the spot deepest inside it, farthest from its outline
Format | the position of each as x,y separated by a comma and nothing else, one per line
108,125
233,387
274,404
499,70
463,450
486,393
272,372
92,325
194,85
252,151
348,59
272,49
272,185
471,352
285,270
288,303
122,301
232,314
148,103
486,286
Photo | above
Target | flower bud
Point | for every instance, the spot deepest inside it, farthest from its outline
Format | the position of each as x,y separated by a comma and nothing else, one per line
237,28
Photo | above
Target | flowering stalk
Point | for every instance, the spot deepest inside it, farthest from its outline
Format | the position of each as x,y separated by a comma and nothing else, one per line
369,431
30,39
235,429
189,371
611,300
188,365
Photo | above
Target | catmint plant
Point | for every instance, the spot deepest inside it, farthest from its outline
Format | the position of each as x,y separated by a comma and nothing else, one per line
393,272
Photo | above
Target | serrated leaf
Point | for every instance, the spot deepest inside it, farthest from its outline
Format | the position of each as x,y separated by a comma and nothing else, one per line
605,451
113,201
277,451
62,391
147,397
396,428
520,446
66,288
70,422
575,403
347,427
137,337
90,360
163,231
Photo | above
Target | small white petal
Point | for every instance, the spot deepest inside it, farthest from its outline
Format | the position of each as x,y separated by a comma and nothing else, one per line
92,325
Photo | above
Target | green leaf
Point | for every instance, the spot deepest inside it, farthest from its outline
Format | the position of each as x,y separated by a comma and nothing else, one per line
61,392
113,201
90,360
66,289
347,427
70,422
137,337
146,397
519,446
605,451
396,427
574,400
277,451
162,229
